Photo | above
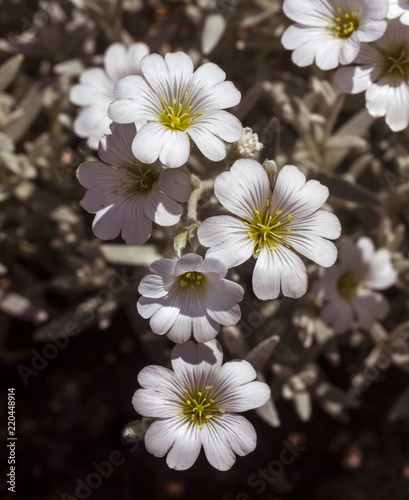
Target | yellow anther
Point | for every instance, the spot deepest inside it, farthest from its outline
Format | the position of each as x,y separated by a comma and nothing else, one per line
288,246
183,283
185,390
245,222
202,426
221,410
201,113
257,251
188,401
186,95
208,416
209,387
338,19
257,212
288,231
180,414
200,394
199,277
290,217
279,212
347,15
268,202
249,235
174,100
188,275
211,400
161,99
273,248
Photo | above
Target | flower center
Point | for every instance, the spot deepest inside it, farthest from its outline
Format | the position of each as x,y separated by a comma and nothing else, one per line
141,179
396,63
199,407
348,285
269,229
345,23
177,115
192,280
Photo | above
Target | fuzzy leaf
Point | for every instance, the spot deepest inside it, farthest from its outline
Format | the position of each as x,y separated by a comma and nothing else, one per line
9,69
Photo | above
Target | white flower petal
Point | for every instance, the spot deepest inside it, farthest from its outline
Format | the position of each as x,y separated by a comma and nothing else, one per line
175,148
165,267
175,183
161,209
186,448
338,314
149,142
370,306
229,435
148,307
161,435
224,234
315,248
279,269
210,73
189,262
150,404
116,149
244,189
205,328
152,286
209,145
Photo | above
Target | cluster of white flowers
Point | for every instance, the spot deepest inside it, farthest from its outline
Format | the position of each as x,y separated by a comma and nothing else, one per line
365,34
145,108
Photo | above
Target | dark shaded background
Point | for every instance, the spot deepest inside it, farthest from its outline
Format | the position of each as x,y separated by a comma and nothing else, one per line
71,415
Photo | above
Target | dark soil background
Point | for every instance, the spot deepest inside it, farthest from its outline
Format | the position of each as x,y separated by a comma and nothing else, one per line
69,420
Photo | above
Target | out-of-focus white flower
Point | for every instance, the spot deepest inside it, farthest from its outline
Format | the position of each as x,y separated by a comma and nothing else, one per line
249,144
189,295
331,31
382,69
399,8
349,286
176,103
127,195
272,227
196,405
95,90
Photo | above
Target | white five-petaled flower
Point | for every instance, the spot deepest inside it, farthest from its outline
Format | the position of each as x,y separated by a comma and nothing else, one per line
331,31
382,70
95,90
196,405
189,295
399,8
349,286
272,227
127,195
176,103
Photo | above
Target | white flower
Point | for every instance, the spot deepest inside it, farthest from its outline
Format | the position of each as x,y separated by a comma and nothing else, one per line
196,405
127,195
189,295
249,144
95,90
349,286
176,103
271,227
399,8
331,31
382,69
